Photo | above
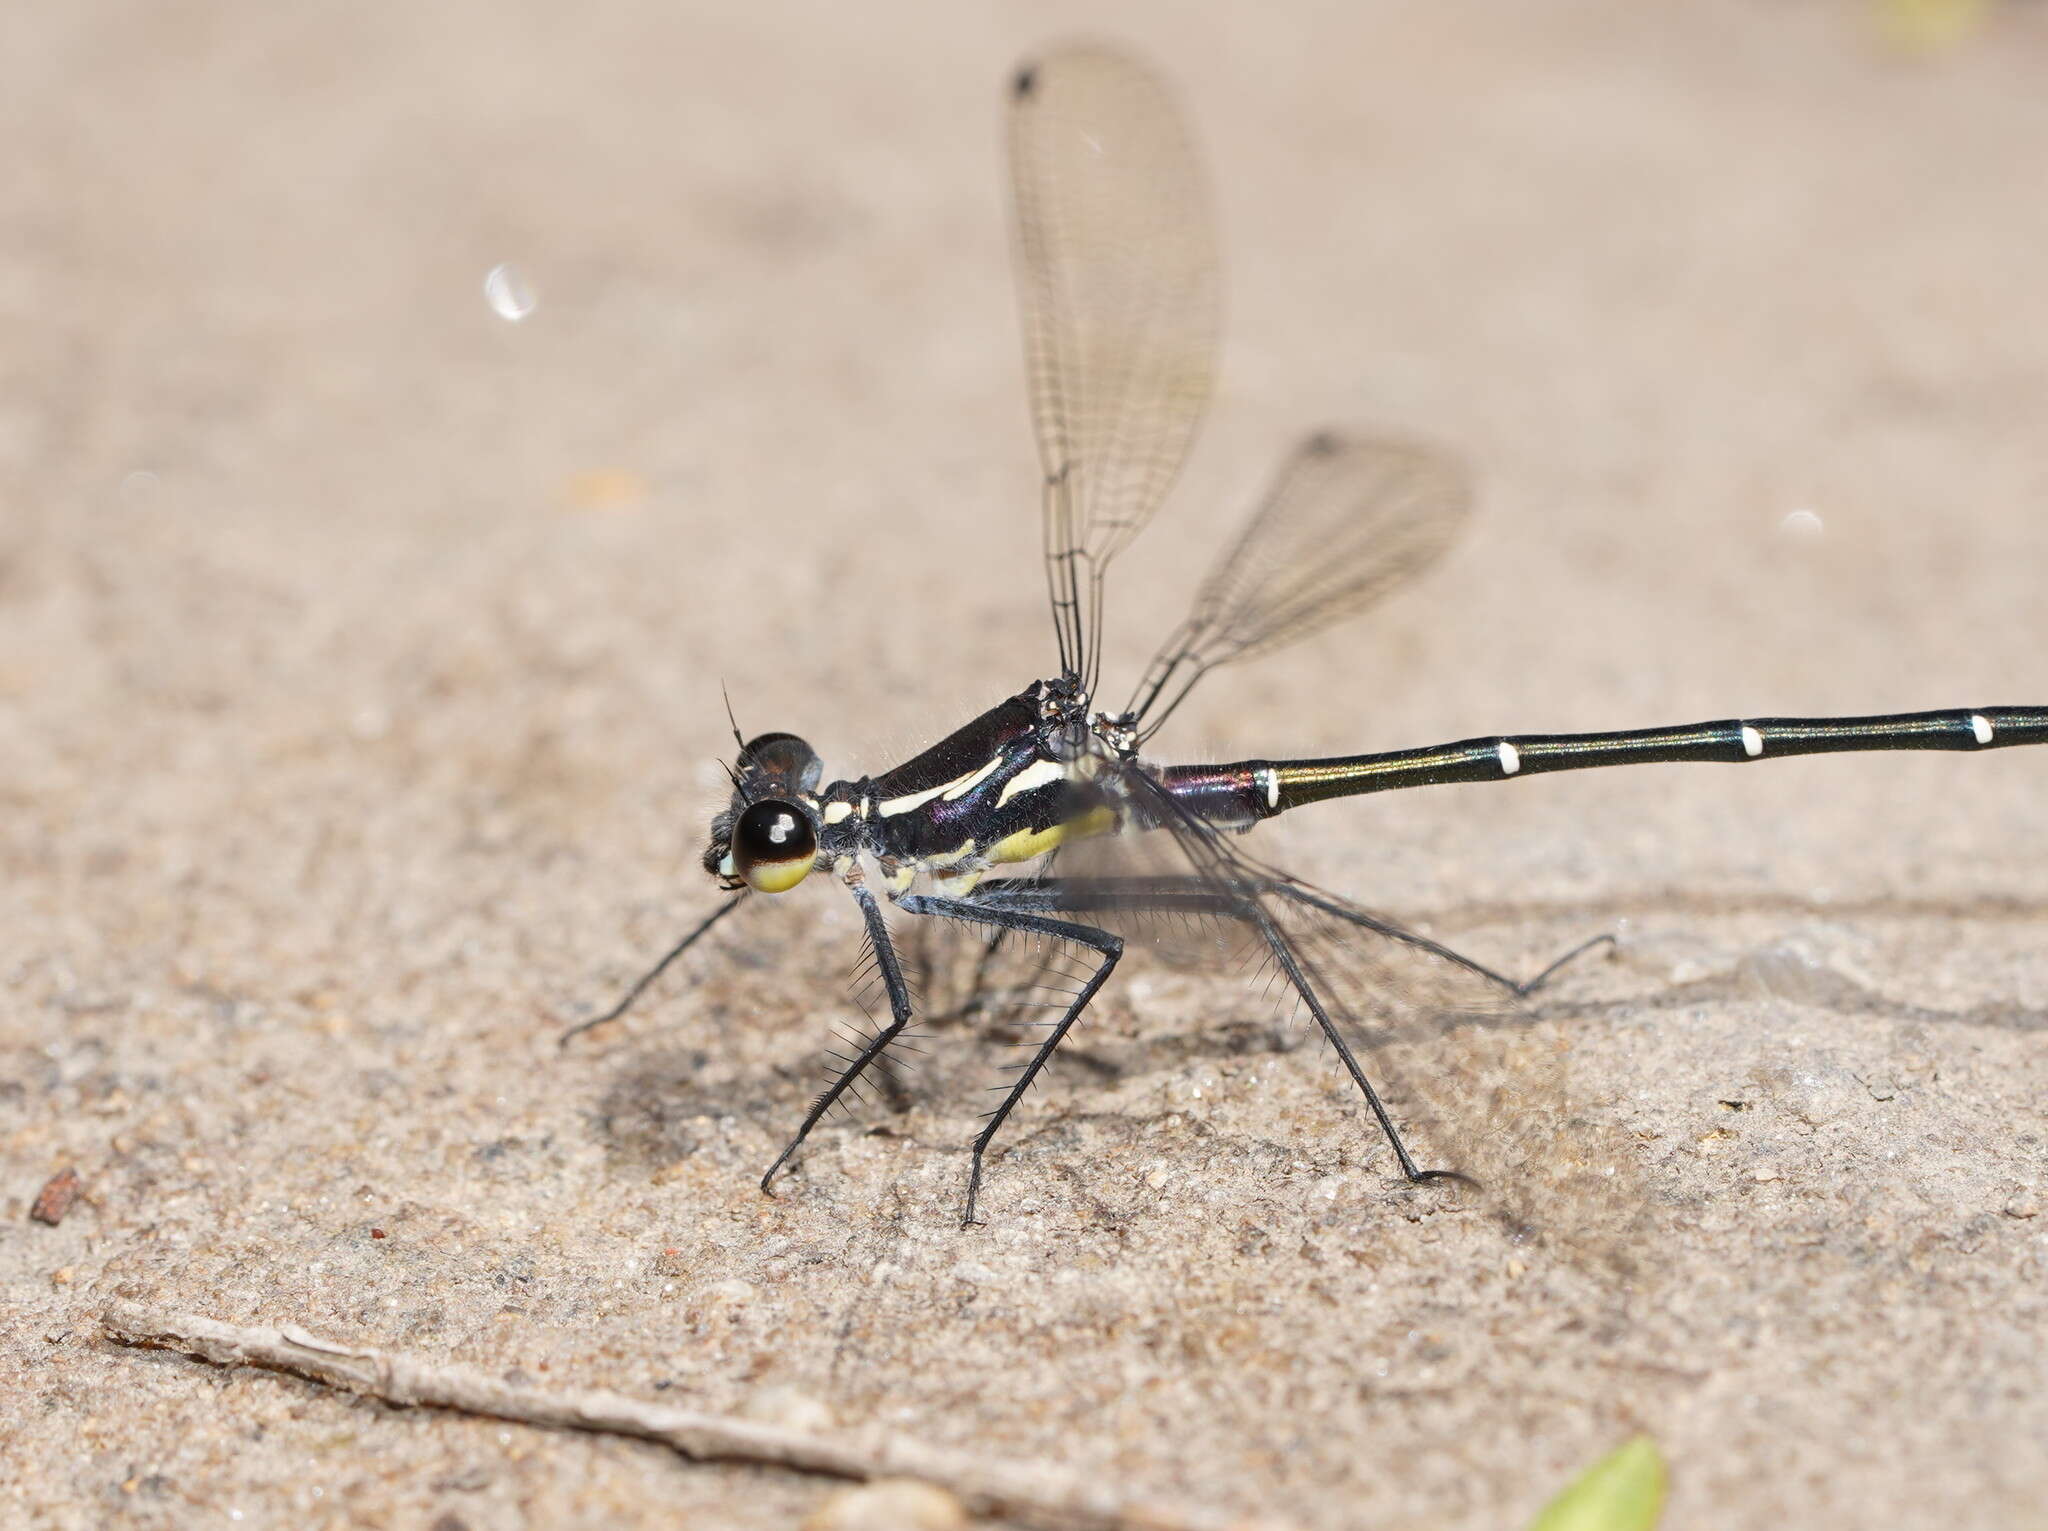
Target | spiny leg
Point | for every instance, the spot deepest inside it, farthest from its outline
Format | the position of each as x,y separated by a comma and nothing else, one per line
647,978
886,1072
899,1016
1109,947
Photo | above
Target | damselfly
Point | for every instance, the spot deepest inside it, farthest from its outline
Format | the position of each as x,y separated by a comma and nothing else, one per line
1117,279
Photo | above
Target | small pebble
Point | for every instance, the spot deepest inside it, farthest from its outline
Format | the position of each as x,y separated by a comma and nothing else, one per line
56,1197
789,1408
889,1504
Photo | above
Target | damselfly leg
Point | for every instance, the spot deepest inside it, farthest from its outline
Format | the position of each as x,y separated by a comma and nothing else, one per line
890,972
1108,947
647,979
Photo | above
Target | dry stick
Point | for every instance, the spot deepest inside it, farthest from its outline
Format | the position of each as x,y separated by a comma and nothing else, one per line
1040,1495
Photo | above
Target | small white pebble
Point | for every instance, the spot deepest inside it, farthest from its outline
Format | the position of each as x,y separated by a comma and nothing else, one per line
789,1408
888,1504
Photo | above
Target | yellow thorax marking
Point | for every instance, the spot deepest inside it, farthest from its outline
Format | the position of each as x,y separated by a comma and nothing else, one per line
1026,843
956,884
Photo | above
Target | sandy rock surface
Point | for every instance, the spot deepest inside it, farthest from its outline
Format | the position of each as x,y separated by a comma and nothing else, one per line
360,666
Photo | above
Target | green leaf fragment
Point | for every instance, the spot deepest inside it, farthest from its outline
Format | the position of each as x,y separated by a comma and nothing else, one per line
1924,26
1623,1491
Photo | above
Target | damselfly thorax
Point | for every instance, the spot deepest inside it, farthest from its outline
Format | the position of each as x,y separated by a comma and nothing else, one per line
1009,787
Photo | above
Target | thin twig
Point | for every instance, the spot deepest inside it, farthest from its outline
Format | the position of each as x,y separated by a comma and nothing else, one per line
1039,1495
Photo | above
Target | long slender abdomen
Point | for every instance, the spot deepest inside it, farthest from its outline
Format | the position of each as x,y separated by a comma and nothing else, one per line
1248,790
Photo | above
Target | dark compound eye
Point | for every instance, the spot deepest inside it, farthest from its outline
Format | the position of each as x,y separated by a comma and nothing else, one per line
773,846
784,756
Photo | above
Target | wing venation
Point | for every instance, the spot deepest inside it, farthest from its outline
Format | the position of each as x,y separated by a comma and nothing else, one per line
1116,279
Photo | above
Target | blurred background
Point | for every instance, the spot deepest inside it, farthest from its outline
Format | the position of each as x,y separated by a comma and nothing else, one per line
1734,316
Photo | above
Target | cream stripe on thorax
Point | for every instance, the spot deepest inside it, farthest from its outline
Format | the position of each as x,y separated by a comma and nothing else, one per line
1038,774
958,787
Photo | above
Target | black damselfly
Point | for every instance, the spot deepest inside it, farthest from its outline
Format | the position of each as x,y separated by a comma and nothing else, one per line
1117,276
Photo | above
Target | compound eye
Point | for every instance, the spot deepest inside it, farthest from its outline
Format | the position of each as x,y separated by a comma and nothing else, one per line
783,756
773,846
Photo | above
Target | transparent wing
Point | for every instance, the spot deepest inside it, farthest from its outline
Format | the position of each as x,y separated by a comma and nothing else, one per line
1116,279
1475,1080
1348,520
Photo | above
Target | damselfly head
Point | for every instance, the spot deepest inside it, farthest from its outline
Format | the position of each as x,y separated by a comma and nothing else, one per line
767,838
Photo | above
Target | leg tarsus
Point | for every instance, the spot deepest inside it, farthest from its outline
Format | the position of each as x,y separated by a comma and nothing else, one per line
1606,938
1423,1177
967,1218
640,986
1519,988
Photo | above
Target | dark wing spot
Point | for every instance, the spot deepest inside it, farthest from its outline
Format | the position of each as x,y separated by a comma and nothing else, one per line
1025,82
